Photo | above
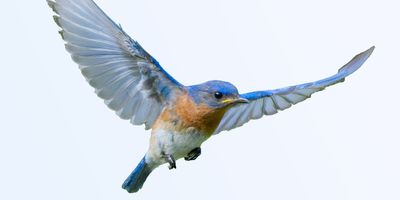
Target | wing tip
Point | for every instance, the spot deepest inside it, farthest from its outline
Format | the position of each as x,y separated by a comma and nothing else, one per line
354,64
56,19
52,5
371,48
61,32
368,52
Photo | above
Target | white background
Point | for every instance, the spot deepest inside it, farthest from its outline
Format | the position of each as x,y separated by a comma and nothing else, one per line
59,141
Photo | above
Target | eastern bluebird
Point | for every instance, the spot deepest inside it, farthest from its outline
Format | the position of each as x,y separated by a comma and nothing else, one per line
137,88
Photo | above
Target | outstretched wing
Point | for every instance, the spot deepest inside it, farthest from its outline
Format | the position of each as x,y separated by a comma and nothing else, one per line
270,102
130,80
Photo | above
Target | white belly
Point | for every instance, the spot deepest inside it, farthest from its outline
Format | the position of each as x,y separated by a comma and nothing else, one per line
176,144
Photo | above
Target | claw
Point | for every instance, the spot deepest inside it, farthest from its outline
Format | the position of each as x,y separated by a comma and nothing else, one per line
171,160
193,154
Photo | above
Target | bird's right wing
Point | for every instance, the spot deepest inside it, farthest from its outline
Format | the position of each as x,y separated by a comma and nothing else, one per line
130,80
269,102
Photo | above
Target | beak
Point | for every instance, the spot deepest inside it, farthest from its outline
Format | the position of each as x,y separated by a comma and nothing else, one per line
236,101
241,100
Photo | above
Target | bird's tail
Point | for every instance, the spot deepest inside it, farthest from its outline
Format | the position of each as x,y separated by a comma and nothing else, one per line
137,178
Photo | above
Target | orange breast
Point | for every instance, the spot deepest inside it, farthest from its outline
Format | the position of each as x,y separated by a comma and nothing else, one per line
187,114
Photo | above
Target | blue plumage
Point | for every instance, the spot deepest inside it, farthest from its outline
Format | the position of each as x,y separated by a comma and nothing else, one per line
136,87
269,102
137,178
204,93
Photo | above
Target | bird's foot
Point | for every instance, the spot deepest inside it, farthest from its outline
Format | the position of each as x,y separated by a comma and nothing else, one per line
171,160
192,155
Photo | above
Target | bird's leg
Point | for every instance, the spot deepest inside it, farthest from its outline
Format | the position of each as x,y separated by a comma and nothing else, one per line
192,155
171,160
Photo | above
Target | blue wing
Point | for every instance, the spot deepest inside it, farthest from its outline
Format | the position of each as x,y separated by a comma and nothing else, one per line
131,81
270,102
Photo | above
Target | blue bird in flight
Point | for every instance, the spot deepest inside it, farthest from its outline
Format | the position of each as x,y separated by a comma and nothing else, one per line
135,86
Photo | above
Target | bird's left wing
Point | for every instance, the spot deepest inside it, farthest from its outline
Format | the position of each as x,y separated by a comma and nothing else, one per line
270,102
130,80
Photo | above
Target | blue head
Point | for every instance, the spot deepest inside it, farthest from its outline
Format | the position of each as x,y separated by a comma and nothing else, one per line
216,94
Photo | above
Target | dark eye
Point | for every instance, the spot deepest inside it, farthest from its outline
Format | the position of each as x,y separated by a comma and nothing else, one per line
218,95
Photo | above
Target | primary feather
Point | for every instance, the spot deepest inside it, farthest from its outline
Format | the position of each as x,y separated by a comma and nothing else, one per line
269,102
130,80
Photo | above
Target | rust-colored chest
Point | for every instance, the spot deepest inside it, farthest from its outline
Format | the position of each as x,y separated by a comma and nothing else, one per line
186,114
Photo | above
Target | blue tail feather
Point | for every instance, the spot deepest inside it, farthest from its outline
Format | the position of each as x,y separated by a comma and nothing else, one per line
137,178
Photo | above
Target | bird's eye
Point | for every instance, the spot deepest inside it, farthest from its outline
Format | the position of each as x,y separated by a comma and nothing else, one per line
218,95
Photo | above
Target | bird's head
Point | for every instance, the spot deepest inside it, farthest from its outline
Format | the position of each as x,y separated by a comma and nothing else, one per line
216,94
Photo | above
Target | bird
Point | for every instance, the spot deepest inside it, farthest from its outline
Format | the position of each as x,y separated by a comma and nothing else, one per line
134,85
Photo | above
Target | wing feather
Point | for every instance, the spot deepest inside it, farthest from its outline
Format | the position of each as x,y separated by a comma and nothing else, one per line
269,102
131,81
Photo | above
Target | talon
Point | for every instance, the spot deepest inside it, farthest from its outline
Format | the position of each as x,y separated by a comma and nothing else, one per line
173,166
192,155
171,160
